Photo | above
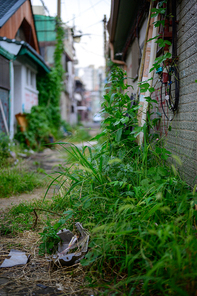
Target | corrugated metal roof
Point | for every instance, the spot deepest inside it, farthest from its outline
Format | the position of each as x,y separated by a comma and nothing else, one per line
45,27
8,8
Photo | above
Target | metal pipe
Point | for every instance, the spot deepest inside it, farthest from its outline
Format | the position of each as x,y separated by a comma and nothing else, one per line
59,8
116,61
144,50
150,75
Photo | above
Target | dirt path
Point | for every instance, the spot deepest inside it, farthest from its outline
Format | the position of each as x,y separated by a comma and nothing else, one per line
37,277
48,160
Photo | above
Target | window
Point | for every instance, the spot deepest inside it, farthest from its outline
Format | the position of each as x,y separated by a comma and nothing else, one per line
4,73
27,76
49,50
66,34
30,78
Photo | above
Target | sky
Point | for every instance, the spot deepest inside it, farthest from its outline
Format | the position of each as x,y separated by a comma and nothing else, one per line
86,16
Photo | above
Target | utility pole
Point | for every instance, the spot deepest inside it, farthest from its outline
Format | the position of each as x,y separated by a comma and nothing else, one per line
59,8
105,40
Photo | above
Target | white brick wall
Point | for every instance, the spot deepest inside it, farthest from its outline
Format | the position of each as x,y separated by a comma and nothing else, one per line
182,139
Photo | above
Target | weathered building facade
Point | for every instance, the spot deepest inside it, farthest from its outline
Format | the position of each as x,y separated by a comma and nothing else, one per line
45,26
130,26
20,61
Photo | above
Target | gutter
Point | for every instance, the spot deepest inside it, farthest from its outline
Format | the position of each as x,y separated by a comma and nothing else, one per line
6,54
111,26
116,61
24,49
36,59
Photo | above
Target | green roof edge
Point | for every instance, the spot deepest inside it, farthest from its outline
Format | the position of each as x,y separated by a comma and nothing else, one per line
31,55
6,54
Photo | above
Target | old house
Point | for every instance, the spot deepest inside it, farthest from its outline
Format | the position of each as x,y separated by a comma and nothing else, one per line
45,26
130,26
20,61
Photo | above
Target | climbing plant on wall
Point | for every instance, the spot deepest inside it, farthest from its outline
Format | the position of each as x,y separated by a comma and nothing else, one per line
44,120
50,85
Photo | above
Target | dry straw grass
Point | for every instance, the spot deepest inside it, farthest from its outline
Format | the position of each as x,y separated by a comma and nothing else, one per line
39,270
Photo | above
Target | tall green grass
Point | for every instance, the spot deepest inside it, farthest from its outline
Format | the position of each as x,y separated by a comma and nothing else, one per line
139,212
141,218
16,180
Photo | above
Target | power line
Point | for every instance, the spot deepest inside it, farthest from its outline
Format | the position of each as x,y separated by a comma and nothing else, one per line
84,11
45,7
92,52
93,8
106,2
93,24
79,6
90,34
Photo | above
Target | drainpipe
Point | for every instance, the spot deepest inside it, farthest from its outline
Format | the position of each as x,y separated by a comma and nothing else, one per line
11,100
150,75
116,61
144,51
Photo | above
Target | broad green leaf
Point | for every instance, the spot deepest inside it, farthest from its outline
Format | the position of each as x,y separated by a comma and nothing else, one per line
153,38
118,135
125,119
117,122
158,23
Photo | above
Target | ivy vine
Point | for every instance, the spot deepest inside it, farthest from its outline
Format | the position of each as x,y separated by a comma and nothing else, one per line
44,120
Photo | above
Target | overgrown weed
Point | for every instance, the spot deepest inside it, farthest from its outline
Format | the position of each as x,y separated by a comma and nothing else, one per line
27,216
15,180
139,212
79,134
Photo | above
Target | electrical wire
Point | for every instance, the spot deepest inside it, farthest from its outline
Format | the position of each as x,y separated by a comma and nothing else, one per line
84,11
170,119
79,6
93,24
93,8
91,34
173,106
91,51
45,7
106,2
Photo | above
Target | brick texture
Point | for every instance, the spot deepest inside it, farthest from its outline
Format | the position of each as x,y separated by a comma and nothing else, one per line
182,139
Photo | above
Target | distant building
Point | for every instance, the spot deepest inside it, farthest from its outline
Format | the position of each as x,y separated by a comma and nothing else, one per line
20,61
45,26
93,80
175,87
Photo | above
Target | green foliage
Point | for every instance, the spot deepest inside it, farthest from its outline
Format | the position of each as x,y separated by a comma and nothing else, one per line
49,237
45,120
119,115
4,148
78,134
157,11
16,180
50,85
138,210
140,214
17,219
38,126
22,217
